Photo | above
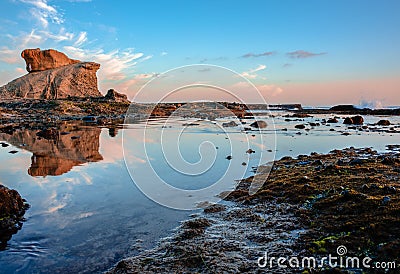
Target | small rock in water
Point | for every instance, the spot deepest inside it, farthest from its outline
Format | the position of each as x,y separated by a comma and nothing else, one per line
383,123
332,121
4,144
244,164
229,124
250,151
259,124
13,151
229,157
300,126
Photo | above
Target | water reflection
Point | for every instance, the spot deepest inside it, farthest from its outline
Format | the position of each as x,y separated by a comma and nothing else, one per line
57,150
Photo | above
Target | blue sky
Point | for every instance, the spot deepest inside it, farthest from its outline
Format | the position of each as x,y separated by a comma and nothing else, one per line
313,52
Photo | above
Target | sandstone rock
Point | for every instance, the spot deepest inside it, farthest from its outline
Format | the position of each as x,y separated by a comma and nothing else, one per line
40,60
76,80
113,95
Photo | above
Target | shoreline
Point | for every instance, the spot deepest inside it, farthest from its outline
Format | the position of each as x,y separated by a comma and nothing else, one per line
308,206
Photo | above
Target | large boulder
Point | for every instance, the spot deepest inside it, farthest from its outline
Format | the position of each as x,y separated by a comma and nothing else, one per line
75,80
40,60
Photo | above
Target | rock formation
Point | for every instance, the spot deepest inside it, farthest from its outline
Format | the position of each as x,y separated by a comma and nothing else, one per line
40,60
52,75
115,96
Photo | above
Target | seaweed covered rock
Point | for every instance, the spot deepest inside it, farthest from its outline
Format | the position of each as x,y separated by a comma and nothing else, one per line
12,210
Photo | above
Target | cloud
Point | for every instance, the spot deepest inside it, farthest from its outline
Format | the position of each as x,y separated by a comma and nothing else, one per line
269,90
163,53
300,54
43,12
251,54
251,74
287,65
82,38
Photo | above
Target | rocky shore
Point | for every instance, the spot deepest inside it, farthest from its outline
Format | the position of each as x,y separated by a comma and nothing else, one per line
12,210
308,206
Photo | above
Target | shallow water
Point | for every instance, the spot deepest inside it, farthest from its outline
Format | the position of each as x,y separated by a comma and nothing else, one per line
87,213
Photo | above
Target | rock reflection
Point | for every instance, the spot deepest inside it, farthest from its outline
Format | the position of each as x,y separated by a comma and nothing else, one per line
57,150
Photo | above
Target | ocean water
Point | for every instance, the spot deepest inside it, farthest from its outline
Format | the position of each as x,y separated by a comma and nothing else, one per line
85,188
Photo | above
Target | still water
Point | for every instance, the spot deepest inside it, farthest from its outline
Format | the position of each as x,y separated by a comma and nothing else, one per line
86,211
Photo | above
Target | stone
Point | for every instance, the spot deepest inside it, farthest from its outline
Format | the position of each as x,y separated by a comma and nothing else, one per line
383,123
41,60
229,124
259,124
12,210
355,120
300,126
332,121
113,95
76,80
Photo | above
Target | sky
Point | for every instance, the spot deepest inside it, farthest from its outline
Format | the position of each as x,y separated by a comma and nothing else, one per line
317,53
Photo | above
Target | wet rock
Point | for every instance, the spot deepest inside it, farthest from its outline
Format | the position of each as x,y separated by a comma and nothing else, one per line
384,123
250,151
229,124
332,121
4,144
259,124
355,120
13,151
12,210
229,157
300,126
214,208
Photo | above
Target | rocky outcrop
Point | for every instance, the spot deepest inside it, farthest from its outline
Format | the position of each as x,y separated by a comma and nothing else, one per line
41,60
53,76
12,210
115,96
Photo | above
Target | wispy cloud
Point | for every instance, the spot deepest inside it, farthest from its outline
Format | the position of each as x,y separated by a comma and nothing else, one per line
287,65
300,54
251,54
43,12
82,38
251,74
163,53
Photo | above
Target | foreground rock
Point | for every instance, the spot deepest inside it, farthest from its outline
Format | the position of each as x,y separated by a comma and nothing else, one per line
308,206
12,210
53,76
